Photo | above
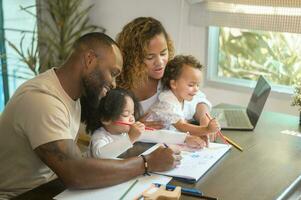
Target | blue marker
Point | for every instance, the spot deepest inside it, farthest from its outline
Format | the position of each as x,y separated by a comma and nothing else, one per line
186,191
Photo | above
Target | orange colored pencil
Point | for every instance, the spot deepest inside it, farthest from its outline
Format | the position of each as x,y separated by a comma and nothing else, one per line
228,140
233,143
225,139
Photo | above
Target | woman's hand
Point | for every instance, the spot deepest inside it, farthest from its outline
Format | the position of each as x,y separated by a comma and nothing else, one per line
151,124
195,142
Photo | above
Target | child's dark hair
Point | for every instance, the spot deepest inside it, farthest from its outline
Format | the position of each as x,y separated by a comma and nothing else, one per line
110,108
174,68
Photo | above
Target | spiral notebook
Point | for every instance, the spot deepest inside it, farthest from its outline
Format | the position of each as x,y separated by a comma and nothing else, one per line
195,163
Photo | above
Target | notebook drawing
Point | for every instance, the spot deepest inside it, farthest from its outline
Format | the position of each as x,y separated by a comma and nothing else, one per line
245,118
195,163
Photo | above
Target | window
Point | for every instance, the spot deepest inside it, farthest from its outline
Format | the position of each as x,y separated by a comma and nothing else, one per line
248,38
3,84
18,27
2,94
246,54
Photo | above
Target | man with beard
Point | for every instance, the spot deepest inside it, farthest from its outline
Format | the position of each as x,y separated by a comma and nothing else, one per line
40,122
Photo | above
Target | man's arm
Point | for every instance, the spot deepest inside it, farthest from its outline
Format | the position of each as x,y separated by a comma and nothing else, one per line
77,172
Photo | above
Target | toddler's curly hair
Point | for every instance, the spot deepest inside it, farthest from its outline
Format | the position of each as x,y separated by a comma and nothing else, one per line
174,68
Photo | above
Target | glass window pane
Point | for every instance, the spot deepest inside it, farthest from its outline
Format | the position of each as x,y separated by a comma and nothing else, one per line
18,24
1,94
246,54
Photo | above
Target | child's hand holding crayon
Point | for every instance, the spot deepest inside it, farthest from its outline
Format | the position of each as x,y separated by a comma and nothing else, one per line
135,131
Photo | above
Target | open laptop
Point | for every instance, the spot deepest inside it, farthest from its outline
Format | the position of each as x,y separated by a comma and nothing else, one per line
241,118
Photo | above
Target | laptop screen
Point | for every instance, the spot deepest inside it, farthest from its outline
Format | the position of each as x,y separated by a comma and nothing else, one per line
258,99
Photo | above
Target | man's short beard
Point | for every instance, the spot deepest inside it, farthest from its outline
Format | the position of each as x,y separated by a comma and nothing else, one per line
90,97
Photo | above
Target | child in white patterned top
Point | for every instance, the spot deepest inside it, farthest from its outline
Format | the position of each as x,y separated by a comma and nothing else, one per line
180,97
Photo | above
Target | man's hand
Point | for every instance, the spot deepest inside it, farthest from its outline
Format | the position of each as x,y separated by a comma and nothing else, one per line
64,158
76,172
135,131
163,159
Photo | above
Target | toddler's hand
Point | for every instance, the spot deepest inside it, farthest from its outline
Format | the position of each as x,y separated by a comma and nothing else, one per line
135,131
195,142
212,137
213,126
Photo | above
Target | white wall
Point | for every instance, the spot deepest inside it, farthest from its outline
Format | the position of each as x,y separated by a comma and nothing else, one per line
114,14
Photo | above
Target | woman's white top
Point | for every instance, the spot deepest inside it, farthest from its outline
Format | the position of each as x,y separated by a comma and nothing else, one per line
147,103
106,145
169,110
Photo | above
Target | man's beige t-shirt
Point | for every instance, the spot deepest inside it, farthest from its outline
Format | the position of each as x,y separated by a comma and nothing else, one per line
39,112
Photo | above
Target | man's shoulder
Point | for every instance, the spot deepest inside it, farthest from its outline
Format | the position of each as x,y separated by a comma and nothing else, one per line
45,87
46,81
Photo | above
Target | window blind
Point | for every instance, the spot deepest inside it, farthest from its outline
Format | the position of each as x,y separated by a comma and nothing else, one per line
269,15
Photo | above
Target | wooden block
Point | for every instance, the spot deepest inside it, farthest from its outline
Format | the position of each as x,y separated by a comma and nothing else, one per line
154,193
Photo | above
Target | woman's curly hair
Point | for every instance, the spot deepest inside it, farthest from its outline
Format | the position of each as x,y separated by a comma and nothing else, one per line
174,68
133,41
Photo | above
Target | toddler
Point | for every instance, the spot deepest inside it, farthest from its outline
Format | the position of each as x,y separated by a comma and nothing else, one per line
180,97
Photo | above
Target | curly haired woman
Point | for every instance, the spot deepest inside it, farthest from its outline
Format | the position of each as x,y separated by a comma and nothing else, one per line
146,49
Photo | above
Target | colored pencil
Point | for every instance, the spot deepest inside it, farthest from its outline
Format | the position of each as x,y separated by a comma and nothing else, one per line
125,123
128,190
218,133
226,139
222,137
165,145
233,143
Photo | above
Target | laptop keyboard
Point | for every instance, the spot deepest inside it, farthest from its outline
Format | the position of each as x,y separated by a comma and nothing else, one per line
236,118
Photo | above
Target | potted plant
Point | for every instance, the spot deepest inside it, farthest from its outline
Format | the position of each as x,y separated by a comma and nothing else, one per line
61,23
297,99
